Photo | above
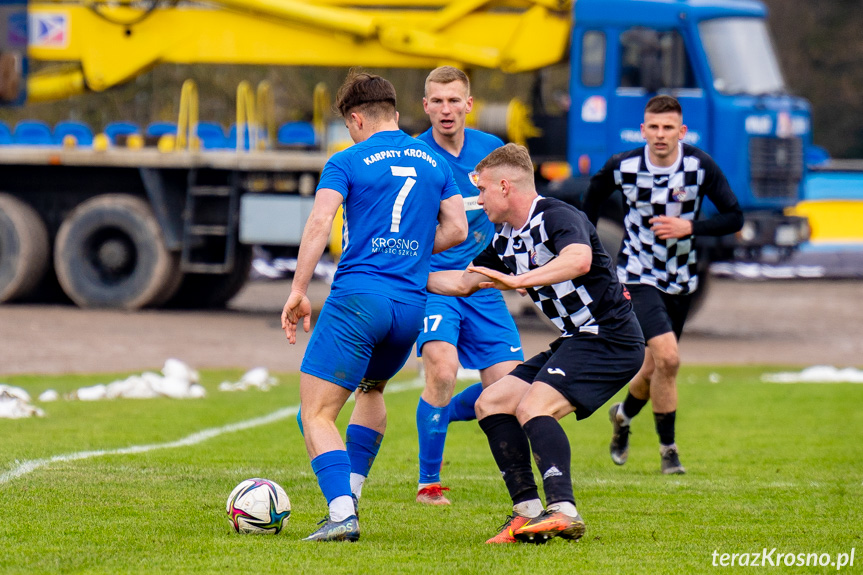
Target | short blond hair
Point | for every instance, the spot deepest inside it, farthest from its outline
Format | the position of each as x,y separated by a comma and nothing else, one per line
508,156
445,75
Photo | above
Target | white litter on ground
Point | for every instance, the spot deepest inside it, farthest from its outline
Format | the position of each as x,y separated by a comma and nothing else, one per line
816,374
17,392
178,381
15,403
258,377
24,467
49,395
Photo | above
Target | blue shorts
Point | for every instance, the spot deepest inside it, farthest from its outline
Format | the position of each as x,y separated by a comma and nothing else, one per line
361,336
479,326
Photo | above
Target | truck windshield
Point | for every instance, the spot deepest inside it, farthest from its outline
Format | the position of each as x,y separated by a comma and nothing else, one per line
741,56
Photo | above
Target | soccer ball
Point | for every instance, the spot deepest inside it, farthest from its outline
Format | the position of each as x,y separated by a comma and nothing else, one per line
258,506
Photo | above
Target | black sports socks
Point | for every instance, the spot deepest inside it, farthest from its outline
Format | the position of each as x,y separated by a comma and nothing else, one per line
665,427
551,452
511,451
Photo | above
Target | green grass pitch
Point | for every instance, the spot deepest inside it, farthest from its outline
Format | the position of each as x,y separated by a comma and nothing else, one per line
139,486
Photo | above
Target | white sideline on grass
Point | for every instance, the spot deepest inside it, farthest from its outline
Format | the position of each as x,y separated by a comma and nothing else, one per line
25,467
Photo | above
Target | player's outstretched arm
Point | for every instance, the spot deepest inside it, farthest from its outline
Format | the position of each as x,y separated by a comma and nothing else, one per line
573,261
452,224
454,282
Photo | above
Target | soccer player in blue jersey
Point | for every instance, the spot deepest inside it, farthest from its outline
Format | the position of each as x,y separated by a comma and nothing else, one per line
401,204
477,331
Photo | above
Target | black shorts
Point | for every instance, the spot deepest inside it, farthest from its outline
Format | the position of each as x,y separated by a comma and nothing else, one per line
658,312
586,369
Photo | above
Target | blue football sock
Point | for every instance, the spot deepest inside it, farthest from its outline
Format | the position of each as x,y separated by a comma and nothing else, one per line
461,408
333,470
431,426
363,445
300,421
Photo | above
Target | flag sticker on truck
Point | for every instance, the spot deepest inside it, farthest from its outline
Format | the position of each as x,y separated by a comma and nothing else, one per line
49,30
594,110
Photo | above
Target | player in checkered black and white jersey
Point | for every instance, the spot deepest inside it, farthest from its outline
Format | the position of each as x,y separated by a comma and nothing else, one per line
550,249
664,185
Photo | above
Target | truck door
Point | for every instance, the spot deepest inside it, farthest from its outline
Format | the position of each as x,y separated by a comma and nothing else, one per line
652,61
590,90
13,52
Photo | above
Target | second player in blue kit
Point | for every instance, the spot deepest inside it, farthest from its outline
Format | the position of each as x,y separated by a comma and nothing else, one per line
475,332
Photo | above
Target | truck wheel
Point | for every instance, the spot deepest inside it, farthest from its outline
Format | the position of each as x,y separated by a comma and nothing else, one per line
207,291
24,248
172,284
110,253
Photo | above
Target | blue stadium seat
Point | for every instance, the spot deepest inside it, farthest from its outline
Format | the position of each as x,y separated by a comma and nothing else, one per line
159,129
296,134
232,137
82,132
116,129
5,134
32,133
212,136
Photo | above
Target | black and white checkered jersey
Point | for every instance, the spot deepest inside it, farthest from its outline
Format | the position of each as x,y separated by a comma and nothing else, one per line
669,264
584,305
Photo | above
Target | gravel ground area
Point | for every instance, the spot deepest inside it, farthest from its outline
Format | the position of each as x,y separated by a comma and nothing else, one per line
789,322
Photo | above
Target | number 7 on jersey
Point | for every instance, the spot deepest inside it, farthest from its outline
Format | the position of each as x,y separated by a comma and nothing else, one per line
402,172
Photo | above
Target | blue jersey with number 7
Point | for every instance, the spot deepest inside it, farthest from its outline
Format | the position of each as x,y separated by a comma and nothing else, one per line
392,186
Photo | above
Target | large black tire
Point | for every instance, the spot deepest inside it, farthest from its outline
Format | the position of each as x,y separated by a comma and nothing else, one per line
24,248
172,284
210,291
110,253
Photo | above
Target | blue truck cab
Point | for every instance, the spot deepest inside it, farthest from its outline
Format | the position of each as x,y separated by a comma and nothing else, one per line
716,57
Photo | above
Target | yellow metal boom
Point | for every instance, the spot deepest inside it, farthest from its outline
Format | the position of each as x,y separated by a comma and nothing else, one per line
113,41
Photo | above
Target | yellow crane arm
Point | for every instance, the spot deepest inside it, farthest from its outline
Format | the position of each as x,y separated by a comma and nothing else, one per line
112,42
